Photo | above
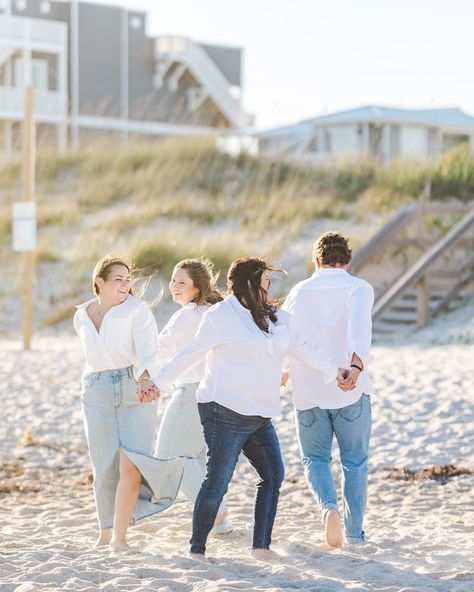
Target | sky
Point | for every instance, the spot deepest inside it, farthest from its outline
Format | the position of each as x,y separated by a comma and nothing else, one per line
304,58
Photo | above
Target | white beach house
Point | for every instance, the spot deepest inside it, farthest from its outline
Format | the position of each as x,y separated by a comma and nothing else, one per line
371,131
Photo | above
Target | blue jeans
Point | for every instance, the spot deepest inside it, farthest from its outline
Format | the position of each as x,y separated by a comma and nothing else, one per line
351,426
114,418
227,433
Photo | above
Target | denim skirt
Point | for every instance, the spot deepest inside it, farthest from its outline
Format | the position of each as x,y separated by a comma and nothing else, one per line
114,420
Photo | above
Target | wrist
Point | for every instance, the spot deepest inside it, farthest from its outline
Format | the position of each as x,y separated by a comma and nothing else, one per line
357,367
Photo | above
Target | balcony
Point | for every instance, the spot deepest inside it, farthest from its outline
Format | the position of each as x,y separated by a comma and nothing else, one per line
37,34
50,106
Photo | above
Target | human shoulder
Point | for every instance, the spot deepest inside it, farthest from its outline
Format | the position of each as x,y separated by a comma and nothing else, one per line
360,284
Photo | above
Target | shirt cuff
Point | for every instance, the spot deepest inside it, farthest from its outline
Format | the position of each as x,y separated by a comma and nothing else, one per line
331,376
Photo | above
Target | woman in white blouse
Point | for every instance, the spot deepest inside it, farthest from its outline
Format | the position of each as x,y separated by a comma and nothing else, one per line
120,341
193,286
244,339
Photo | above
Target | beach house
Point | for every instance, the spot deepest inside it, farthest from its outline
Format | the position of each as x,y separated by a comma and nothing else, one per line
95,70
384,133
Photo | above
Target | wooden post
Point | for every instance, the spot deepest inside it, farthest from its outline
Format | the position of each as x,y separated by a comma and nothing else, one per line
29,158
422,287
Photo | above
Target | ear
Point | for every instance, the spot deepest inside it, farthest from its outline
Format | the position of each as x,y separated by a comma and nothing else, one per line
317,262
100,283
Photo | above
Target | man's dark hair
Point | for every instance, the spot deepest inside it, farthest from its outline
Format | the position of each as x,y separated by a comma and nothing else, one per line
332,248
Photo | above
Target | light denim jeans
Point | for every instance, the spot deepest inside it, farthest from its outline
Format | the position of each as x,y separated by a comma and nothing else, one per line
352,426
181,434
114,419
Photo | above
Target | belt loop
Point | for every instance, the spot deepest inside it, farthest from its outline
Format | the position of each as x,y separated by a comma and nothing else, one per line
130,372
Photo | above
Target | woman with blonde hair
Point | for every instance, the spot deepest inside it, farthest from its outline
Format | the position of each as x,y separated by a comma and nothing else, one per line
120,342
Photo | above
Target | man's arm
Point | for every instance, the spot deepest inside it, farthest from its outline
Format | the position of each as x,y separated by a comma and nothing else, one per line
359,324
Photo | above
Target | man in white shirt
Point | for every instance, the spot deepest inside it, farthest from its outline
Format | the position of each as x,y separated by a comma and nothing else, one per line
333,309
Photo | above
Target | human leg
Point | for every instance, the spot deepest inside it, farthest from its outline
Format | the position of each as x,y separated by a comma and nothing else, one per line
263,451
225,433
352,427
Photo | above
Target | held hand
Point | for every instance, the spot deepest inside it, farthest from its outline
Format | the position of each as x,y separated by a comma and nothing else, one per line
342,380
284,378
147,391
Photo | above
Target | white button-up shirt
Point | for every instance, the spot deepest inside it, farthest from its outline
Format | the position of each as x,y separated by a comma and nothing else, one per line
177,333
128,336
334,309
244,364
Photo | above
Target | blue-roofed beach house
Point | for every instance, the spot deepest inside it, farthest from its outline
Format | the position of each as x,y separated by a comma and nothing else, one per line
384,133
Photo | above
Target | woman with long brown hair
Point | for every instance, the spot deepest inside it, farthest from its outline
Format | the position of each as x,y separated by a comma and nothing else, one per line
120,342
244,339
193,285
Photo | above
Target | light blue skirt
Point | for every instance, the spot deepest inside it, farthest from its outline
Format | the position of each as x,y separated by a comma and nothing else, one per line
114,419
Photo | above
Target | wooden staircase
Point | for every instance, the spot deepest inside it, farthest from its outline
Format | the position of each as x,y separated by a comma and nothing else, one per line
439,264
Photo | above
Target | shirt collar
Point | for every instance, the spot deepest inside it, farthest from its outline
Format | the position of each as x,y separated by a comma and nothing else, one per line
240,306
329,271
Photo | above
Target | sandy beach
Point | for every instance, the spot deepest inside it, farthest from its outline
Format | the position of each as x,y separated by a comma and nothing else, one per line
420,532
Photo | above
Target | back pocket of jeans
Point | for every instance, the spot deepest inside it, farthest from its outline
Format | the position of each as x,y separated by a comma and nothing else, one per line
352,412
306,418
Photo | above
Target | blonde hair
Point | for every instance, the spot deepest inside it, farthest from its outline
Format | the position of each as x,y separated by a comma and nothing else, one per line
104,267
201,272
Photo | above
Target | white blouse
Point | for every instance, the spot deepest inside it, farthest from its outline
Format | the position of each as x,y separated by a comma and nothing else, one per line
243,364
177,333
128,336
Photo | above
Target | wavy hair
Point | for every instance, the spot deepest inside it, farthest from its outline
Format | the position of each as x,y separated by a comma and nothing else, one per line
243,280
201,272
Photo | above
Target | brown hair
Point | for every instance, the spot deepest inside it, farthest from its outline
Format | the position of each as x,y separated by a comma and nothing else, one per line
201,271
332,248
243,280
104,267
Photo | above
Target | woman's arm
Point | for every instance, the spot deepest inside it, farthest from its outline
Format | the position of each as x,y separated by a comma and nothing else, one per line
313,355
205,339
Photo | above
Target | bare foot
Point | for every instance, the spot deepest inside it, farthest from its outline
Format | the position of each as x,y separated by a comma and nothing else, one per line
198,557
333,530
104,538
264,554
119,545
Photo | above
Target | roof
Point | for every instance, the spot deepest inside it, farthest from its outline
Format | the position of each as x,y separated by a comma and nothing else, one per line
444,117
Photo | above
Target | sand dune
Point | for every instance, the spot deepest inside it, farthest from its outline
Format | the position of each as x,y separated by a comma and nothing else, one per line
420,534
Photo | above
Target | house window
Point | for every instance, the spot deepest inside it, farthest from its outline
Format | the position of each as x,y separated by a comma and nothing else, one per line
328,141
20,4
39,73
45,7
135,22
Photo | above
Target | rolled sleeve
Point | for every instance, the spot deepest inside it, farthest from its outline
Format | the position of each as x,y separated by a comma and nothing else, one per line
359,321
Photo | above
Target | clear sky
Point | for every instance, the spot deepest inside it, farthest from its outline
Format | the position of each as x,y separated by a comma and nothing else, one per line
307,57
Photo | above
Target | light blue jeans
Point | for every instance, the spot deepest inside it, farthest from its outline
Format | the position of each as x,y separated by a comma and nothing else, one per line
181,434
114,418
352,426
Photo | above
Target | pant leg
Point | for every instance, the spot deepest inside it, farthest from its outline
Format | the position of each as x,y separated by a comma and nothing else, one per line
181,434
263,451
102,435
136,421
225,439
352,426
315,434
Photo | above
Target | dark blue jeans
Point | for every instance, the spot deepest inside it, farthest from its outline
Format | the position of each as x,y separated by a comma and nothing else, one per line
227,433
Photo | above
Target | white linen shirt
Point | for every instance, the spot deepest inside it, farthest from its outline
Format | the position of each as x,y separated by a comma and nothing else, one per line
243,364
177,333
128,336
334,309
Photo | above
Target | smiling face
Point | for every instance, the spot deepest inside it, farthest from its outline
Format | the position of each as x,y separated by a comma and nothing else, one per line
182,287
115,288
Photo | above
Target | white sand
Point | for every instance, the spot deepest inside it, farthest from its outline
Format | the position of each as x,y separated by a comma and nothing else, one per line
420,535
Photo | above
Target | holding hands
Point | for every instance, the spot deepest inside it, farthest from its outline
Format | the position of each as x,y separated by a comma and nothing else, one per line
147,391
347,378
